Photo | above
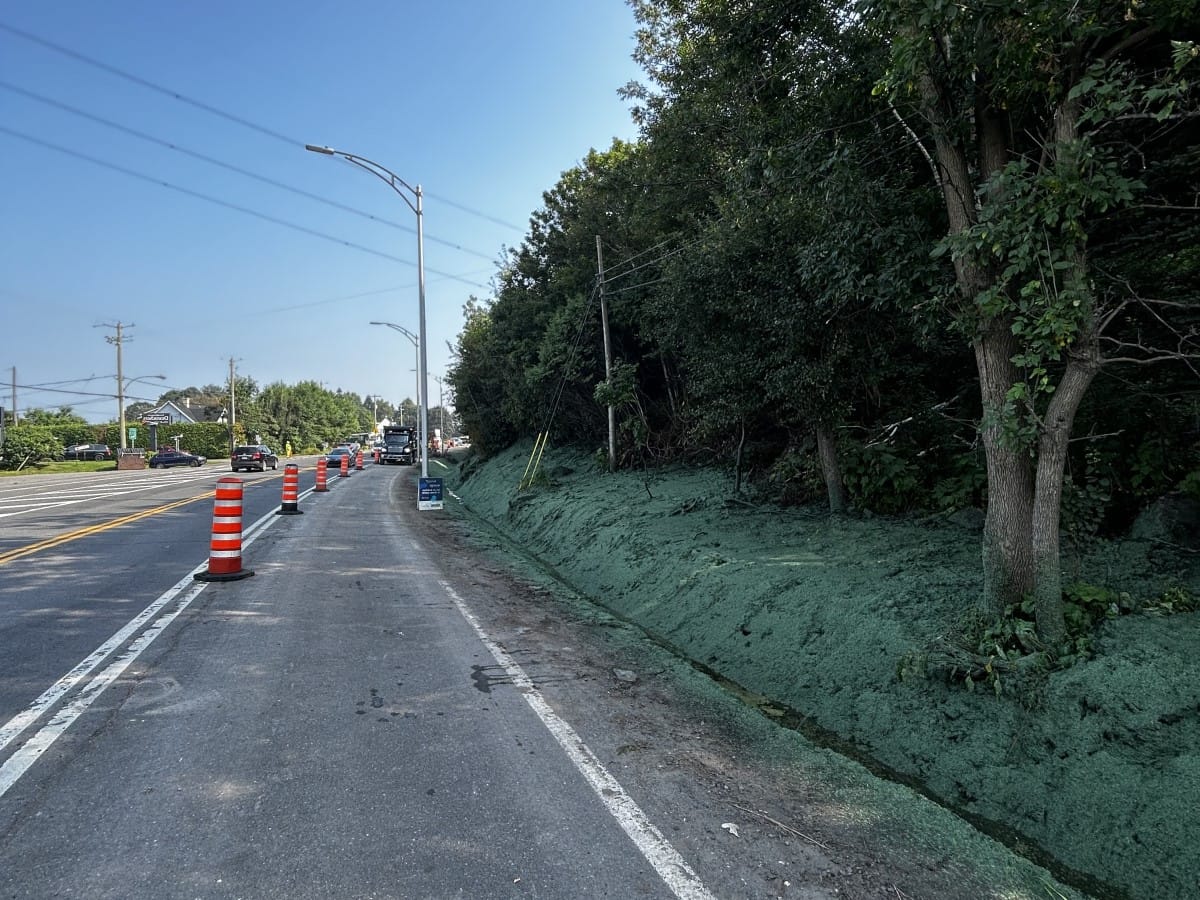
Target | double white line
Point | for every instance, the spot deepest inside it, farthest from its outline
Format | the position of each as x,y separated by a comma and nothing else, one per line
90,687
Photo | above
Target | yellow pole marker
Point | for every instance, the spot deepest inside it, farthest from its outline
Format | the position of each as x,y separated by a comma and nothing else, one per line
529,465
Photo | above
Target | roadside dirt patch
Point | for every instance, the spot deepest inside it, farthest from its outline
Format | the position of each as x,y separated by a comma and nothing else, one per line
756,809
1099,773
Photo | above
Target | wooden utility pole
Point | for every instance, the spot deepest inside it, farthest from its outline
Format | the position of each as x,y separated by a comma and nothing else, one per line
612,413
232,404
119,340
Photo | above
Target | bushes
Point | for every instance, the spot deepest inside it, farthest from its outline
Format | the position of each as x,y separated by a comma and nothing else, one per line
26,444
209,439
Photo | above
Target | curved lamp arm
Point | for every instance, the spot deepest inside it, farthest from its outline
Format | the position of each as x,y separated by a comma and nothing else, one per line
384,174
396,183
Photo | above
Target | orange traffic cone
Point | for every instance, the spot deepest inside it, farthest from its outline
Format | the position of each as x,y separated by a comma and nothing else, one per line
291,492
322,476
225,548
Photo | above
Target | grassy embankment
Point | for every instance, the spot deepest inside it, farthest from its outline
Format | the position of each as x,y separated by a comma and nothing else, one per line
1099,768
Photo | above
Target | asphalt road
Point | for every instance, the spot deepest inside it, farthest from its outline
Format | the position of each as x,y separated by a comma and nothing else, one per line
82,554
387,709
336,725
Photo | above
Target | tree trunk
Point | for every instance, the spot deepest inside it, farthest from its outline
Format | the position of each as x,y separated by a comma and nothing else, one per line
1008,564
1008,569
831,469
670,390
1082,365
737,464
1047,509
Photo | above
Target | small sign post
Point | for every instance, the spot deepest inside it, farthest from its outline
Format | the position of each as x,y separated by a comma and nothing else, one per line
154,419
429,493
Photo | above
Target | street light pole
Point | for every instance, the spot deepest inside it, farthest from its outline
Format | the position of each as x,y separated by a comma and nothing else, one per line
416,342
395,182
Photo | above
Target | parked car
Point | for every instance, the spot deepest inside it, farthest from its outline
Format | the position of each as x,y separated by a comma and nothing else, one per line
334,457
253,456
164,459
88,451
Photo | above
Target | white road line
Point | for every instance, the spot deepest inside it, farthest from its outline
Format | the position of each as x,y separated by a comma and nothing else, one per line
55,692
665,859
18,764
187,589
20,505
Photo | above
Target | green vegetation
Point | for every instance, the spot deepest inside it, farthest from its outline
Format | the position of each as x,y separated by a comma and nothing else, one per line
919,259
306,415
1096,763
909,256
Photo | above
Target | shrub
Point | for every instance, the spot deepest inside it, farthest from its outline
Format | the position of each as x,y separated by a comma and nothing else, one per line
26,444
879,478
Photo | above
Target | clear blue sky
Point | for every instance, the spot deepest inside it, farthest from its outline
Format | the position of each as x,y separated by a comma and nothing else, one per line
482,104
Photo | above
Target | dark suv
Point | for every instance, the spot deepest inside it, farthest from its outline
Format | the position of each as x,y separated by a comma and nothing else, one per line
253,456
88,451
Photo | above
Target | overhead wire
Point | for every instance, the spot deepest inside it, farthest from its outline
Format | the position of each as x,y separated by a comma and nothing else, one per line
634,287
141,135
141,176
658,259
562,382
629,259
200,104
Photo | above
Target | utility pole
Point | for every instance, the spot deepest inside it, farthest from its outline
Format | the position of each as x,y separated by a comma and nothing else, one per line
14,395
232,404
441,408
119,339
612,413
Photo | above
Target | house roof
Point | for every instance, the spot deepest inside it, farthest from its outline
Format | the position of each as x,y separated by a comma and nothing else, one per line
175,411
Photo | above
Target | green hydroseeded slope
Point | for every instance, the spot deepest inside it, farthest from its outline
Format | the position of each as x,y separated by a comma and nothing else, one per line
1101,771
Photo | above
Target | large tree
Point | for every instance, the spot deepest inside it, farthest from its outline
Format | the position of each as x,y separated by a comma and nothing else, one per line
790,307
1027,105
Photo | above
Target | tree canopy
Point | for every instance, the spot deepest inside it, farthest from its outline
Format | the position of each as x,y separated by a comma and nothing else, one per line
879,255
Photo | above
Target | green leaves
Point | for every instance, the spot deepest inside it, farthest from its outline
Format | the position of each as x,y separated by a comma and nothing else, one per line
27,444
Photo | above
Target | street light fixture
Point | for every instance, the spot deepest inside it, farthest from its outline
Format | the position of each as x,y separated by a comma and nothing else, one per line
416,342
396,183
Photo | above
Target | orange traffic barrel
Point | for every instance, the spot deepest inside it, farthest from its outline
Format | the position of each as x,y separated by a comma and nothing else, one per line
291,492
345,473
322,476
358,460
225,553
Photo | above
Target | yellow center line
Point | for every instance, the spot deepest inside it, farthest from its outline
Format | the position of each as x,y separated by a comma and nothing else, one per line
10,555
18,552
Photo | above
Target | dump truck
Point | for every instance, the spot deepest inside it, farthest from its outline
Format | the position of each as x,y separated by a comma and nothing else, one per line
399,445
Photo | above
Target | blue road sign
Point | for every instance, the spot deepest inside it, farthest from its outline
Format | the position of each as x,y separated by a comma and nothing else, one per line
429,493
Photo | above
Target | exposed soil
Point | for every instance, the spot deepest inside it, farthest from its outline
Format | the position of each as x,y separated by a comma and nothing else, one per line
1096,777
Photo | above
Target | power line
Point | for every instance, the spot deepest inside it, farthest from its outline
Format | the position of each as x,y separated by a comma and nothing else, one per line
45,390
242,209
652,262
141,135
630,259
199,104
634,287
